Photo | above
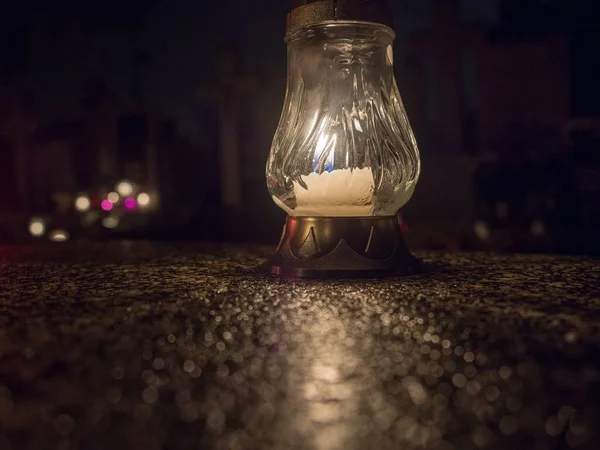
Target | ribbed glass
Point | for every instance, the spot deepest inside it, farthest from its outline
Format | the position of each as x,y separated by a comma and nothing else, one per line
344,145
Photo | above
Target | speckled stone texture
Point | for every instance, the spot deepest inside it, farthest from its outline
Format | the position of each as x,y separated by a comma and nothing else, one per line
150,346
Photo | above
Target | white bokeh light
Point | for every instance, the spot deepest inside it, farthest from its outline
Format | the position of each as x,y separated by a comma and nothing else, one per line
482,231
124,188
82,203
59,236
113,197
37,226
143,199
110,222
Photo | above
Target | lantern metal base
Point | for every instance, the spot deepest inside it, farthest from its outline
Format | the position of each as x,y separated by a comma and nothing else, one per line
342,247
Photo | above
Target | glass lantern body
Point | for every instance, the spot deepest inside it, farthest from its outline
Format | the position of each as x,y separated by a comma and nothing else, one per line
344,146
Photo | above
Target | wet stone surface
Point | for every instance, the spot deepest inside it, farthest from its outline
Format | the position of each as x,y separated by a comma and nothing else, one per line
149,346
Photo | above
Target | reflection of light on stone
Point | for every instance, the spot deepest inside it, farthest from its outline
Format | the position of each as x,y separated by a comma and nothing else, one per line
325,372
327,409
113,197
332,388
37,226
481,230
538,228
82,203
325,412
349,388
110,222
59,236
107,205
143,199
415,389
124,188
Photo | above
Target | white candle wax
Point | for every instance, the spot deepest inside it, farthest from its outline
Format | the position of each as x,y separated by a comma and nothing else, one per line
343,192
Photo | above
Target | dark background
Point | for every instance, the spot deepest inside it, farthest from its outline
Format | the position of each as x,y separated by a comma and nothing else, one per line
503,96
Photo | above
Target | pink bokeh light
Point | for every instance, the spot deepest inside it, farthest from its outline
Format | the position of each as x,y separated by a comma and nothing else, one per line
130,203
107,205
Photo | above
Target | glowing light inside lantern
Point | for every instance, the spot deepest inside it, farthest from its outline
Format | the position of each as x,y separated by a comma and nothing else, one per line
143,199
82,203
107,205
337,193
37,226
124,188
344,146
113,197
325,153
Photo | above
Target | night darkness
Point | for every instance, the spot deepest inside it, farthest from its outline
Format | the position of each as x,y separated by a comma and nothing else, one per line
444,297
93,93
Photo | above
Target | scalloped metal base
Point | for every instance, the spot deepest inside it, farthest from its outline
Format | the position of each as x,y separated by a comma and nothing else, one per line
342,247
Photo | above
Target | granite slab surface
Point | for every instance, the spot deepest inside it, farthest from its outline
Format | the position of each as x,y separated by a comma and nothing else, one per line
133,345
